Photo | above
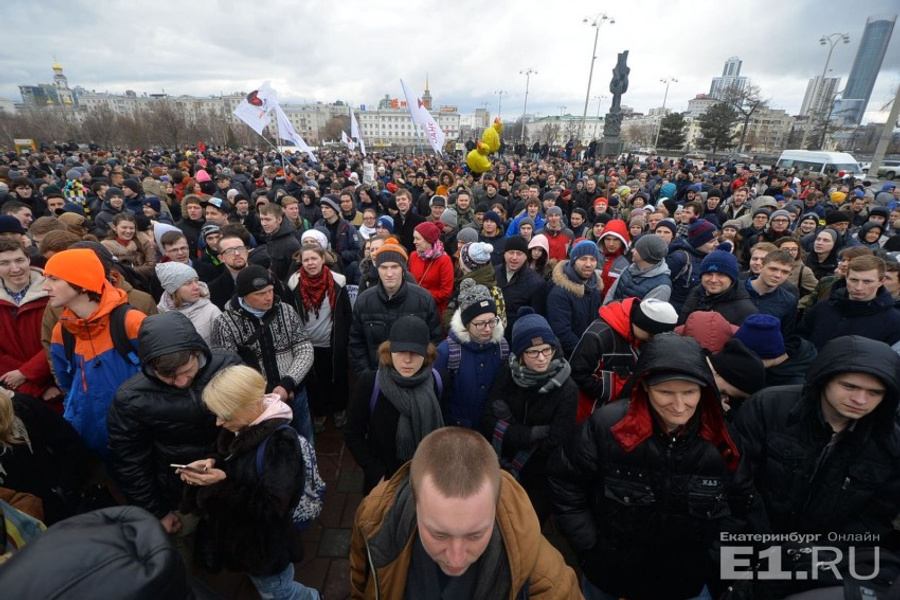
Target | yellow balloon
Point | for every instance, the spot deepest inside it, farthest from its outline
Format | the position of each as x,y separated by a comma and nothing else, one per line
491,136
477,159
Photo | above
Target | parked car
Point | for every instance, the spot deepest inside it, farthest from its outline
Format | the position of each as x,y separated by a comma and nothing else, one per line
889,169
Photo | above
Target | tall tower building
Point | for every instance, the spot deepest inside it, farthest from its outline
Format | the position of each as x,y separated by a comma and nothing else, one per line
426,97
730,80
872,48
819,96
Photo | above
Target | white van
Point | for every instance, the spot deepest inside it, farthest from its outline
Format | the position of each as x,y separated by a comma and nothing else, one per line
822,163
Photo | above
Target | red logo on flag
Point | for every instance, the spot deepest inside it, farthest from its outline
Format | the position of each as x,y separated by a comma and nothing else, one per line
254,99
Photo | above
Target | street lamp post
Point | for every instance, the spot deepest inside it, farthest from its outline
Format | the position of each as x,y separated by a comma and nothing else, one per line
527,73
599,100
596,22
500,101
830,40
667,81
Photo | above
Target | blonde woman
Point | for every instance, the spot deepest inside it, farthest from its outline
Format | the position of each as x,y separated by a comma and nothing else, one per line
247,509
184,292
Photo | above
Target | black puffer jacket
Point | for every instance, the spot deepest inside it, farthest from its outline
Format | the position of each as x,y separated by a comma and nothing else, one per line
374,313
734,303
837,316
807,486
152,425
247,516
642,507
118,552
281,247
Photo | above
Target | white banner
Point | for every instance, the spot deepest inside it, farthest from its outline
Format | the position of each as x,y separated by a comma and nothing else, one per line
356,134
423,118
287,132
255,108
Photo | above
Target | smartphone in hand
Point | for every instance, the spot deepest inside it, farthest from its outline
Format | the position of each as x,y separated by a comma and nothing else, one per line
187,468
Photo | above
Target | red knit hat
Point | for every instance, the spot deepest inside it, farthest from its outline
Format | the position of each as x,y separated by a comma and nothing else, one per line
431,232
78,267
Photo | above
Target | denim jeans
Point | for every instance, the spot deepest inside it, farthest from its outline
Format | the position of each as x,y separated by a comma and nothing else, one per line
302,421
282,586
591,592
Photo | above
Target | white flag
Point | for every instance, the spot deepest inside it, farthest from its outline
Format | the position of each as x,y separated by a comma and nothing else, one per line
287,132
255,108
347,141
423,118
356,134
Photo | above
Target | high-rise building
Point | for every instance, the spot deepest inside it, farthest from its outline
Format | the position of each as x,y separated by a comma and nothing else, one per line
872,48
819,96
730,80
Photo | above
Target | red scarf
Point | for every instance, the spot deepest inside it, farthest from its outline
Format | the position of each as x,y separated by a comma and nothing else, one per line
313,289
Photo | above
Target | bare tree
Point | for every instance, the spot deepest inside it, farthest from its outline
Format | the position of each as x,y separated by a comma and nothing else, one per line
99,125
549,133
745,101
334,127
167,122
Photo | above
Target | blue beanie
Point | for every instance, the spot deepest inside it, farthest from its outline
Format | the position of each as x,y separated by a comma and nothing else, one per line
700,232
386,222
719,261
584,248
762,334
530,330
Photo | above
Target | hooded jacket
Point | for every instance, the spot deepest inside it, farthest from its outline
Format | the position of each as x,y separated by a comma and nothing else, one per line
117,552
642,507
97,369
20,337
383,533
810,482
202,313
684,270
837,316
652,282
604,358
477,368
574,303
153,425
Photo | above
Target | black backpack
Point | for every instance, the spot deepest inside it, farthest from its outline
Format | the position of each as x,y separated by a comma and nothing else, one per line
117,332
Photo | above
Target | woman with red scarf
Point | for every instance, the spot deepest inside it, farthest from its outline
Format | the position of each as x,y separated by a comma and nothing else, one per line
613,243
322,300
430,265
644,488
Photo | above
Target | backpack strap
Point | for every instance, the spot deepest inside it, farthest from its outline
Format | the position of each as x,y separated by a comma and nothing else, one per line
261,449
119,335
117,331
504,348
439,382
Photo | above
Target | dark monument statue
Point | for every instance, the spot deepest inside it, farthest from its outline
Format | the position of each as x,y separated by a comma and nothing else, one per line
612,126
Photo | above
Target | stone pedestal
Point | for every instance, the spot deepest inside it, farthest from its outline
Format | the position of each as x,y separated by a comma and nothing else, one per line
610,146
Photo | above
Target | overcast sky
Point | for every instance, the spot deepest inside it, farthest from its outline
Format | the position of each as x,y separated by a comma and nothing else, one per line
357,51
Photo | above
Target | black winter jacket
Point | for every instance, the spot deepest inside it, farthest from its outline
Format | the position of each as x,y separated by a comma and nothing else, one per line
374,313
838,316
734,303
526,288
153,425
247,516
281,247
643,508
371,435
809,485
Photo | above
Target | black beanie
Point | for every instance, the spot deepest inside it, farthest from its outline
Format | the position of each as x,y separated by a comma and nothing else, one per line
740,367
516,242
252,278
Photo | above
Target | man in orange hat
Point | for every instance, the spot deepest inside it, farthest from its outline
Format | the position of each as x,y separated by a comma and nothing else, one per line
91,370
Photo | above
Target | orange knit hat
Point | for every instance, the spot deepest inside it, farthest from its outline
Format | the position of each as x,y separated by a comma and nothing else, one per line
78,267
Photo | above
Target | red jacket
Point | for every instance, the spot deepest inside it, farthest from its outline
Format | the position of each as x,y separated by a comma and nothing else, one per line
20,337
436,276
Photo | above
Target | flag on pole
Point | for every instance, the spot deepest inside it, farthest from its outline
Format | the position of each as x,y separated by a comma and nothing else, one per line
347,141
255,108
287,132
423,118
356,134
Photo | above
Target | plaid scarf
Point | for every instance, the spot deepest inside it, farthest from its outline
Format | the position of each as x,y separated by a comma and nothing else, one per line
313,289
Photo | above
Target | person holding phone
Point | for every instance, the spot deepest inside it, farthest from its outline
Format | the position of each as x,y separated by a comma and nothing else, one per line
247,488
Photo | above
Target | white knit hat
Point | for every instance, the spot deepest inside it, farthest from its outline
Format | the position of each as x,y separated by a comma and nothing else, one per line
172,275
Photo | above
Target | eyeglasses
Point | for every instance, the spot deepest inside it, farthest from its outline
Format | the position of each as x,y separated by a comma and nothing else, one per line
546,352
178,250
235,250
489,324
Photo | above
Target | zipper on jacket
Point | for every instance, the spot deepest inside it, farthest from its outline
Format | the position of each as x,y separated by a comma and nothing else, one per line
371,565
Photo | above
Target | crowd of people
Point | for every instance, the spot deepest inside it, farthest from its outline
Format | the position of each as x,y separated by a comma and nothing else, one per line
654,354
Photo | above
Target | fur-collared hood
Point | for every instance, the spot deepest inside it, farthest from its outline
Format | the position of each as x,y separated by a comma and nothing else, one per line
460,332
559,278
35,292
